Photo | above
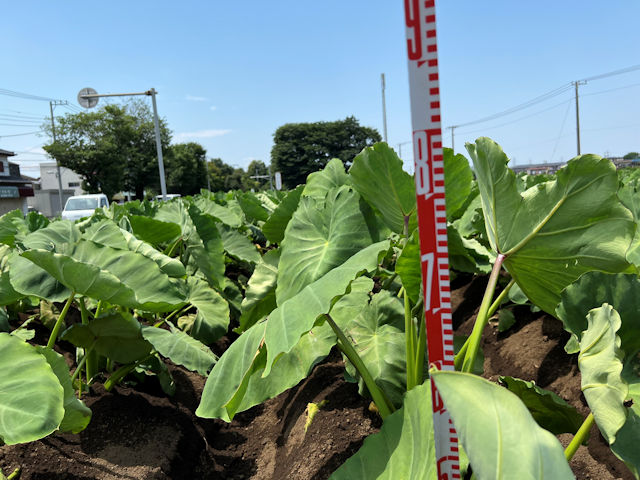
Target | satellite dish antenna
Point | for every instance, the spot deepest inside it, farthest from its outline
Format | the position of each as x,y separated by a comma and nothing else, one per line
87,102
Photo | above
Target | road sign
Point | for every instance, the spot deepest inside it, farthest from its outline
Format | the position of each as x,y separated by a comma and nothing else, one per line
422,50
89,102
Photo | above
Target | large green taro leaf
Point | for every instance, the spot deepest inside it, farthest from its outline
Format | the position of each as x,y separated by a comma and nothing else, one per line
626,445
252,207
117,276
548,409
154,231
212,319
287,323
236,382
458,179
378,176
404,447
8,294
238,245
600,362
260,294
226,215
409,269
31,397
320,236
555,231
12,224
499,435
117,336
180,348
277,222
204,246
591,291
29,279
108,233
377,333
54,237
76,414
331,176
629,195
227,382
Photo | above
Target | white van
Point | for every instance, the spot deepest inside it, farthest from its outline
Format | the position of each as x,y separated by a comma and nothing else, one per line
80,206
169,196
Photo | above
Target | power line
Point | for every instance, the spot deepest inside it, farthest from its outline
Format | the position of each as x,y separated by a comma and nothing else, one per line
27,96
547,96
611,90
517,119
611,74
20,134
527,104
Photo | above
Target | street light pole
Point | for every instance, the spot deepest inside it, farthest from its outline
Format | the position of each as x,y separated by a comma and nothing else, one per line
156,125
85,98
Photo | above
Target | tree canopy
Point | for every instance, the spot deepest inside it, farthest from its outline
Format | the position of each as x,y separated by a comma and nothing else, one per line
112,149
631,155
302,148
185,168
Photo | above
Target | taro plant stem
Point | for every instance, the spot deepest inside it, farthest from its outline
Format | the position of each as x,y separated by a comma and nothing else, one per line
82,362
58,325
122,372
92,358
492,309
410,341
379,398
581,435
483,317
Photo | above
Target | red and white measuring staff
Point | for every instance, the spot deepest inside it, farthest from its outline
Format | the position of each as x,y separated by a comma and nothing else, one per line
420,19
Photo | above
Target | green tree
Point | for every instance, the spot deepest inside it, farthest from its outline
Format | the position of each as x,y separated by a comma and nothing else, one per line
302,148
112,149
224,177
631,155
186,168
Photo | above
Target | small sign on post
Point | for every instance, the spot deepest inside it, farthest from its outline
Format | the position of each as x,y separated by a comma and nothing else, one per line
278,177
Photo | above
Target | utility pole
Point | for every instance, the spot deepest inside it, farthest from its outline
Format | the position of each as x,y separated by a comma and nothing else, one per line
452,128
400,148
384,108
53,103
578,113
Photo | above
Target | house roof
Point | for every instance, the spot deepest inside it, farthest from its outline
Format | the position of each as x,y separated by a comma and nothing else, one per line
6,153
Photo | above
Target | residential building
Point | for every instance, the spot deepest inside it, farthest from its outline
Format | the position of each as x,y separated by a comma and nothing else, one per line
49,178
14,189
538,168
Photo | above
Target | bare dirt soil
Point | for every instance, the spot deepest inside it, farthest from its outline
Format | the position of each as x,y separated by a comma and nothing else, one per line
138,433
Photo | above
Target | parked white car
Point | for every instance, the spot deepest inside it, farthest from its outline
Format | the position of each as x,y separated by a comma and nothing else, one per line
80,206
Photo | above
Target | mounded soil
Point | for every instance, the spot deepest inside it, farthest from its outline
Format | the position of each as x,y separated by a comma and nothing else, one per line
137,432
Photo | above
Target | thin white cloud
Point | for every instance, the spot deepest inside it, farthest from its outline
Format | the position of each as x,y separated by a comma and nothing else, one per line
193,98
203,133
213,107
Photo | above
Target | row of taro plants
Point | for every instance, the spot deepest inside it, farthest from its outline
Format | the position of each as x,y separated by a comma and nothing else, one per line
335,263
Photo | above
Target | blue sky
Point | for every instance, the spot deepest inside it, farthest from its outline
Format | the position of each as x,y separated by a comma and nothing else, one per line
229,73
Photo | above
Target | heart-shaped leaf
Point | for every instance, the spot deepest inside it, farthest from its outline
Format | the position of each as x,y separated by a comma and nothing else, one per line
497,431
180,348
404,447
320,236
555,231
31,397
378,176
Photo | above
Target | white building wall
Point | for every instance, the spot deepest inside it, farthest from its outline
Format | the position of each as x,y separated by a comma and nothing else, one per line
49,178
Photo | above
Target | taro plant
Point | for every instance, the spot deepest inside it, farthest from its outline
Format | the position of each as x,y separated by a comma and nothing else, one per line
546,237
